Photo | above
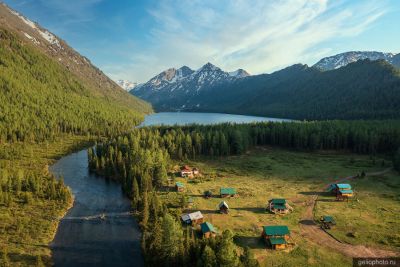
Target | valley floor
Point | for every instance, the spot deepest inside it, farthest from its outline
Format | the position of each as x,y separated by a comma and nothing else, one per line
371,219
27,228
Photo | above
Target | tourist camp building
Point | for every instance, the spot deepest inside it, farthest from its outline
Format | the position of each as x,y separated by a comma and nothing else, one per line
342,191
223,207
180,187
327,222
186,171
228,192
276,236
208,230
278,205
193,218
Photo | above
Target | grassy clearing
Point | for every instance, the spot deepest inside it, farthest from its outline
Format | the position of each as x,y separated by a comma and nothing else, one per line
266,173
26,229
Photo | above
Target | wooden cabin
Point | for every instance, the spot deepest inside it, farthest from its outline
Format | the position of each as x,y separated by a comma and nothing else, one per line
341,191
278,206
228,192
223,207
276,236
180,187
327,222
193,218
208,230
186,171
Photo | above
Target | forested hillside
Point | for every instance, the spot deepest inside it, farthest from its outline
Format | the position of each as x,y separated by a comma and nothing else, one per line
361,90
41,99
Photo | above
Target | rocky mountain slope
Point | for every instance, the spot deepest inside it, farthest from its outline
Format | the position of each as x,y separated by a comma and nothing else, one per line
178,86
343,59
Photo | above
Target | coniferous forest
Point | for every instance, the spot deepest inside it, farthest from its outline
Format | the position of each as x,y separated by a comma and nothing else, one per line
140,162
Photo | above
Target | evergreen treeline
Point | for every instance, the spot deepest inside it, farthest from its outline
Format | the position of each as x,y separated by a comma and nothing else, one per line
27,186
140,160
40,99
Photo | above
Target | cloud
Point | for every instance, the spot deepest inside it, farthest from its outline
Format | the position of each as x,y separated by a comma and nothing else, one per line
259,36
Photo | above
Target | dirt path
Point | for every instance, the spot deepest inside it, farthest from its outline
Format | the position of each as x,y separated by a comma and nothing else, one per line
312,231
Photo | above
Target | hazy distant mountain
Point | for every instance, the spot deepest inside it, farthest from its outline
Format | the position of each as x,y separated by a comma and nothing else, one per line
174,87
126,85
341,60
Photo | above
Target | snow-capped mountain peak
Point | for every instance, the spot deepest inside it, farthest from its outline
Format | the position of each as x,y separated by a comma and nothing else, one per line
341,60
126,85
187,81
239,73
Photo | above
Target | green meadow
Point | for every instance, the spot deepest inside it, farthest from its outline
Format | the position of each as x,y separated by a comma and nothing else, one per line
370,218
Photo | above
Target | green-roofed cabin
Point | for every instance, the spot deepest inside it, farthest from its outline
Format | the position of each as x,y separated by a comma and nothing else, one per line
208,230
327,221
344,194
180,187
276,236
278,205
228,192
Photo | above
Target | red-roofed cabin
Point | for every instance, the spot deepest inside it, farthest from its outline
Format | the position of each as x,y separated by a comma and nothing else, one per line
186,171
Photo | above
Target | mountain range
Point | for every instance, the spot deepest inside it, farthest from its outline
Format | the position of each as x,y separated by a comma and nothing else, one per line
343,59
126,85
351,85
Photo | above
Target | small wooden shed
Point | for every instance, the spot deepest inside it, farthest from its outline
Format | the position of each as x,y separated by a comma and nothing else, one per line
180,187
342,191
278,205
223,207
208,230
276,236
327,222
228,192
186,171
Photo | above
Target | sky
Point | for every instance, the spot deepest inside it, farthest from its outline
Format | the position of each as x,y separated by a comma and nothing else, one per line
135,40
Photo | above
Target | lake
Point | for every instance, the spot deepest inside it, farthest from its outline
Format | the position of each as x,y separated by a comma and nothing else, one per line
182,118
99,229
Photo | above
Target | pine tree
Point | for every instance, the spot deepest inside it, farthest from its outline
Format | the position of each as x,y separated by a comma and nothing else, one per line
247,258
172,239
208,258
135,194
144,210
226,254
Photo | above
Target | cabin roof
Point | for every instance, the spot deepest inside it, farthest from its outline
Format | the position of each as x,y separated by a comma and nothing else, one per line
179,184
185,217
278,201
228,191
328,218
343,186
207,227
223,203
196,215
277,240
279,230
346,191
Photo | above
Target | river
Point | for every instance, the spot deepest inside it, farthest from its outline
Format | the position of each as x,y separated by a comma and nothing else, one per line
98,230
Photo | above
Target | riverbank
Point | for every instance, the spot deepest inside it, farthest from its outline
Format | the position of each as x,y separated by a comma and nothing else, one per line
29,221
